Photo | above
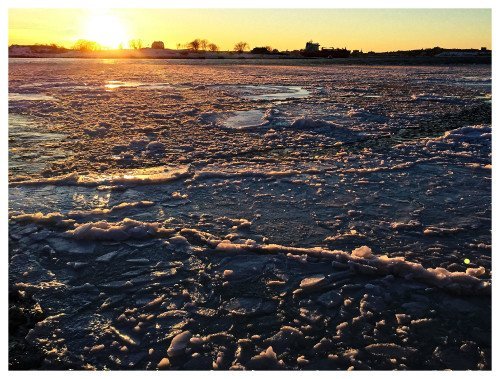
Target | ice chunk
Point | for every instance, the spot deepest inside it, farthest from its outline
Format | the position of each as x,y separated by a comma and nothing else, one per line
248,306
271,92
362,252
458,282
123,337
163,364
54,218
245,119
477,272
116,208
330,299
390,350
106,257
118,231
179,344
313,282
152,175
285,339
266,360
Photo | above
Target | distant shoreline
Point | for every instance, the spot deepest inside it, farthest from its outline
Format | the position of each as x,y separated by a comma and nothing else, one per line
251,58
435,56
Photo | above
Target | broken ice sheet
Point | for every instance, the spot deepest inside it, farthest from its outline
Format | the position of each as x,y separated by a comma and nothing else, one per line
270,217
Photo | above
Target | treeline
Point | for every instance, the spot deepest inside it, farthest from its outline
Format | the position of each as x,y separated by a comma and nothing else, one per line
43,48
196,45
427,52
200,44
86,45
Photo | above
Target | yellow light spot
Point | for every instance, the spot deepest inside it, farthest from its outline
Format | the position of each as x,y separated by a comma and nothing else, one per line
466,261
106,29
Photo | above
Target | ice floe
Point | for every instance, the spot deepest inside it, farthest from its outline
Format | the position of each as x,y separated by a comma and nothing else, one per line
144,176
119,231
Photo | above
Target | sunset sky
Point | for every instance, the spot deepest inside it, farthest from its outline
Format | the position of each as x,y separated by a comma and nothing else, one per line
284,29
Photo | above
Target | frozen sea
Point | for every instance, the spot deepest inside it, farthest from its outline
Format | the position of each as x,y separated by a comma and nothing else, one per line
219,214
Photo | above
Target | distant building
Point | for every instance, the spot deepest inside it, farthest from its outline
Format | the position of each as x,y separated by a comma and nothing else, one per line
312,50
260,50
158,45
311,47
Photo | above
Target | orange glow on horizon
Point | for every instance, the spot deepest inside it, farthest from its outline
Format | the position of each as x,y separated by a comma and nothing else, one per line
283,29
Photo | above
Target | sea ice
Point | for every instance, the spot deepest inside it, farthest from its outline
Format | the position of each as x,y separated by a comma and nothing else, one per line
179,343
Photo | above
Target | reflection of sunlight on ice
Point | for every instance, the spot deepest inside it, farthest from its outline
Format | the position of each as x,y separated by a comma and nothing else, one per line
30,97
267,92
245,119
161,213
81,200
114,84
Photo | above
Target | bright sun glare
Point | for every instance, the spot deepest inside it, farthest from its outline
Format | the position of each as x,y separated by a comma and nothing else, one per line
107,30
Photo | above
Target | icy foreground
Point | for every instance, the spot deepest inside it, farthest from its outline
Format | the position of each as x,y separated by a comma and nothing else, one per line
207,215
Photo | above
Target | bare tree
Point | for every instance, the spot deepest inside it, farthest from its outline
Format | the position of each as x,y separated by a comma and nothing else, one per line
86,45
194,45
135,44
213,47
204,44
241,47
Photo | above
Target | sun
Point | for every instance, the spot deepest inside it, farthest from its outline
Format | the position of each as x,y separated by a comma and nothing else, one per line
107,30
